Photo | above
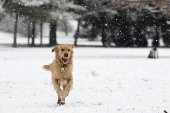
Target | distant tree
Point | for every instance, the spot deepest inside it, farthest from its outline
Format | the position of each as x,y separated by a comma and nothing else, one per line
139,31
79,3
41,33
165,28
155,11
23,8
15,8
39,11
155,16
37,14
77,32
53,29
98,17
60,10
15,30
124,27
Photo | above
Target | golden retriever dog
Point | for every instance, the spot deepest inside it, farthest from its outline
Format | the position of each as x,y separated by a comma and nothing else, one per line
61,69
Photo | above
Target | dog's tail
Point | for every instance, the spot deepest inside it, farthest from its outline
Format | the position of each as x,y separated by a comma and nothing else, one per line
47,67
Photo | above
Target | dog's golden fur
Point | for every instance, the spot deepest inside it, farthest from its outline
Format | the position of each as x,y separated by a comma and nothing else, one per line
62,79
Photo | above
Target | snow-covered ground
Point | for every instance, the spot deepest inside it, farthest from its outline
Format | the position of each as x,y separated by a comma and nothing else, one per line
106,80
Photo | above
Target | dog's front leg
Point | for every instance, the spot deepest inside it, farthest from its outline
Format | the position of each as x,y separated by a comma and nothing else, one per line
63,98
58,89
68,87
59,98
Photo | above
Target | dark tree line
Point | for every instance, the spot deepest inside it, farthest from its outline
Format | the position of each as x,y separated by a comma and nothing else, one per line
125,24
122,23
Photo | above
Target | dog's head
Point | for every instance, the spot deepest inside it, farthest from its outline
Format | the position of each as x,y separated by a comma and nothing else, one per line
64,52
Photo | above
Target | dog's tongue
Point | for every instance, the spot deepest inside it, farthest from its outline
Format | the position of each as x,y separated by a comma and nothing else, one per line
65,58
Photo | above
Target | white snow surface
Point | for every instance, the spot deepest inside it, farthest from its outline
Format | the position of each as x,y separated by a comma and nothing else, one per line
106,80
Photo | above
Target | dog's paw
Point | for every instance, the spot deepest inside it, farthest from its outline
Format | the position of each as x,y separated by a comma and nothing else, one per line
62,103
59,103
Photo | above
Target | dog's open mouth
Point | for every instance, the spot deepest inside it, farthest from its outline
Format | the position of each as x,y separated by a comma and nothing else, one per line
64,59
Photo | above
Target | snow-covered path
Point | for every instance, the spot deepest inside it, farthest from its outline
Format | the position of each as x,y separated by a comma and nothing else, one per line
105,80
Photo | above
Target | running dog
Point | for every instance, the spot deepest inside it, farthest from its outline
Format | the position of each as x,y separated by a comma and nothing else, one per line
61,69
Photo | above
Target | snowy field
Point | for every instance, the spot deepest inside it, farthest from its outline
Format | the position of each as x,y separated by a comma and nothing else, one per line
106,80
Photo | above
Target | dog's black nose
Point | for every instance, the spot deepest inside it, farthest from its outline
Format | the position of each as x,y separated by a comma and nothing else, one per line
66,55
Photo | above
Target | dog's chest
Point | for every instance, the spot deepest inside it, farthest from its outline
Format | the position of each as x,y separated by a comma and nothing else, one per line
62,81
63,73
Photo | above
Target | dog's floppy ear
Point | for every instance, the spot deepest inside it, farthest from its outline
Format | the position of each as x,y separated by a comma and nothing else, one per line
54,49
73,45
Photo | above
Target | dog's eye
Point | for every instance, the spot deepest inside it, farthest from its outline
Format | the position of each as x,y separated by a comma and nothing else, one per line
62,49
68,49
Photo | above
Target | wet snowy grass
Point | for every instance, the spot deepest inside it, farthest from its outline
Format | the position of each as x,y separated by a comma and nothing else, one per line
105,80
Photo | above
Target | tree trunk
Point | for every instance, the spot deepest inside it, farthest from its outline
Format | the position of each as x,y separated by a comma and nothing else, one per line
15,30
53,36
104,36
29,32
77,33
33,33
112,29
92,35
41,31
66,28
155,42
